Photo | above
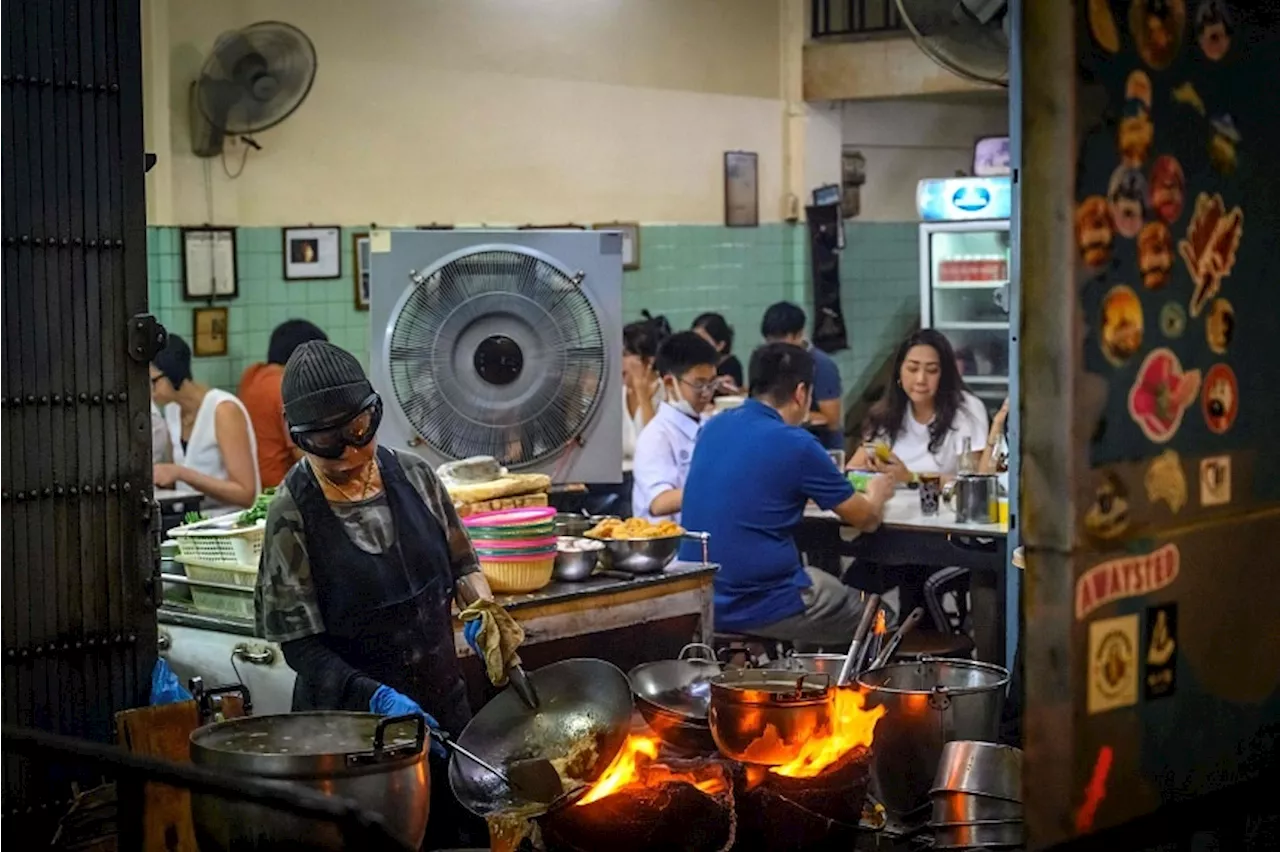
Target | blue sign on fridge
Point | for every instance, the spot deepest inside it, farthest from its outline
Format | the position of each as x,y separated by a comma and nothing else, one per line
959,199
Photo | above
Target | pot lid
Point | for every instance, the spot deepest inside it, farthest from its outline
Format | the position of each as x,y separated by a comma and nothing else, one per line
300,734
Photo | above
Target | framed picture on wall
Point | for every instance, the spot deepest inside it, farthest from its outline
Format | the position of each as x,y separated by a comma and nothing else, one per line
311,253
360,260
209,332
630,241
209,264
741,189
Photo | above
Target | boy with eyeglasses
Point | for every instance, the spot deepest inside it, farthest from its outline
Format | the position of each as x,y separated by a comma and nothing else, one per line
686,364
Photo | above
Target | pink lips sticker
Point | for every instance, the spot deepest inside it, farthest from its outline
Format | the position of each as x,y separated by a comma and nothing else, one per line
1161,395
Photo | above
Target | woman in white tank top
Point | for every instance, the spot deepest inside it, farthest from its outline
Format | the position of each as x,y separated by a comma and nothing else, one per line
214,450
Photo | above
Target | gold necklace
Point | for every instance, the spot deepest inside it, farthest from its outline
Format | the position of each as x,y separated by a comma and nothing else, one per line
364,491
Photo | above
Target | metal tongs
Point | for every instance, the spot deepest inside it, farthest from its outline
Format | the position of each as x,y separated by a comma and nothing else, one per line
890,647
858,647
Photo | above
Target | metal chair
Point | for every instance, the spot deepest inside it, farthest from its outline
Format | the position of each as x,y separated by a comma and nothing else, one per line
948,636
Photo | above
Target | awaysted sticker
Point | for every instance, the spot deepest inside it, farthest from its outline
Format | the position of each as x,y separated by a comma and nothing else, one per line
1161,394
1215,481
1113,663
1166,482
1126,577
1160,652
1221,401
1209,249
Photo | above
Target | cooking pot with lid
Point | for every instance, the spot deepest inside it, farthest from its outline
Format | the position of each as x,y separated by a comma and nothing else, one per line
376,762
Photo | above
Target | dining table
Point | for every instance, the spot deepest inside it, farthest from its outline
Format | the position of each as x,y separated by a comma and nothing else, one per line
907,538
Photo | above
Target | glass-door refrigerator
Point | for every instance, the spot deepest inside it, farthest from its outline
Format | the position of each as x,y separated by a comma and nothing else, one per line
964,275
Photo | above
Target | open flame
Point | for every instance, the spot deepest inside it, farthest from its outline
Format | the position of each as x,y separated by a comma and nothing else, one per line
636,764
852,725
880,628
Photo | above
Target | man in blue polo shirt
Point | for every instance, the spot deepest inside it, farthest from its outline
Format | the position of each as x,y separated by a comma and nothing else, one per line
753,470
784,323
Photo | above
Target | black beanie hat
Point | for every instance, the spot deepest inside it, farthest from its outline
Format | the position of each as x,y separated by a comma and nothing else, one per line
322,383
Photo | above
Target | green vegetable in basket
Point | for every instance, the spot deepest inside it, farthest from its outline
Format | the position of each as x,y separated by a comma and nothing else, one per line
193,517
258,511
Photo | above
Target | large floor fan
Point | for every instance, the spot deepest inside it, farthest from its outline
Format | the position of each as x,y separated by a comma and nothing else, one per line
254,79
969,38
504,344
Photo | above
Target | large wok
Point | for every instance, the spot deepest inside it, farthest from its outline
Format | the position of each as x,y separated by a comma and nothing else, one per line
674,695
581,701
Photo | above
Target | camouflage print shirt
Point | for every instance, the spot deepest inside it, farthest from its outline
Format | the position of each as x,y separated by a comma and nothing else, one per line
285,600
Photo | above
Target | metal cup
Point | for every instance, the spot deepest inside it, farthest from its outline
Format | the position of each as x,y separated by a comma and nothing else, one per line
930,493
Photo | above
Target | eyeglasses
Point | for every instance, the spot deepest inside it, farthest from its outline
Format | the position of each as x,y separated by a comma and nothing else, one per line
704,388
155,379
330,441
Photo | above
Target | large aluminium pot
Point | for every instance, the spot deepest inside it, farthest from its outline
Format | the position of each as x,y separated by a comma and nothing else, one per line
376,762
930,702
765,716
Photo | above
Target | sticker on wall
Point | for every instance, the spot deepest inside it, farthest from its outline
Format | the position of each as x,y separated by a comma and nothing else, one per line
1113,664
1215,481
1157,27
1161,394
1221,400
1137,87
1093,231
1127,198
1155,254
1213,29
1209,248
1173,320
1220,325
1161,652
1136,133
1126,577
1168,188
1222,144
1166,481
1108,515
1187,95
1102,25
1121,324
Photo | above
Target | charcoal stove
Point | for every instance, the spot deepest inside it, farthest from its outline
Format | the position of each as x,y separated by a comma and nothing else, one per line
750,810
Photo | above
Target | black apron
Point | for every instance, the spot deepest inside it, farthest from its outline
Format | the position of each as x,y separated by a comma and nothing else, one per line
385,614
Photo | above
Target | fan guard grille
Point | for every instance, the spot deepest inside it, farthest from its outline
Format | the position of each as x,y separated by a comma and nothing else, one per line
497,352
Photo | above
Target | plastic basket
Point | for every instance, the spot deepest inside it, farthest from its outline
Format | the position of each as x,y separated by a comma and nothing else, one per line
219,601
218,541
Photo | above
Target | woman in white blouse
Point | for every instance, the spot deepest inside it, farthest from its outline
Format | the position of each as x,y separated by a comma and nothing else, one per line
214,451
926,415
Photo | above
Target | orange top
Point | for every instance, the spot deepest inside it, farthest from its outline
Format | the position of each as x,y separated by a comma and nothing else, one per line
260,393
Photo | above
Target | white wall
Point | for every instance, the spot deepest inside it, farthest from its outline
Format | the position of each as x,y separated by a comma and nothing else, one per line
905,140
469,111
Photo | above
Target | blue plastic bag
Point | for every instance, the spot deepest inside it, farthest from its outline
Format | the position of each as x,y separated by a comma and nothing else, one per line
165,686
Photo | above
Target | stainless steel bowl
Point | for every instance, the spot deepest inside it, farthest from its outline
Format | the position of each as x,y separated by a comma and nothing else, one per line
574,566
765,716
953,808
981,768
570,524
641,555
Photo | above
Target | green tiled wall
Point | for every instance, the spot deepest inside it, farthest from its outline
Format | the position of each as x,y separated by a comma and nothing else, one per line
684,271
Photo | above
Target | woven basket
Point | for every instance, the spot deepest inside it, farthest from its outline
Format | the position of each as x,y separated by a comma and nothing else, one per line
516,575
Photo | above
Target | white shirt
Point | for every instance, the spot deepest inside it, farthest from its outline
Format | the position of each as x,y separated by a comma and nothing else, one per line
632,427
202,453
911,444
663,452
161,448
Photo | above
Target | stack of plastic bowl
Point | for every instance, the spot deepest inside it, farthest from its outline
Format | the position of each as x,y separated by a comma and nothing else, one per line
517,547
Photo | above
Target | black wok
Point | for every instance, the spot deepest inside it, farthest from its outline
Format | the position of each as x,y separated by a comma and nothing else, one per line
581,701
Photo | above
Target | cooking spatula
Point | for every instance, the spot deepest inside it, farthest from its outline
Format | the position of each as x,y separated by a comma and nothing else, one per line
534,779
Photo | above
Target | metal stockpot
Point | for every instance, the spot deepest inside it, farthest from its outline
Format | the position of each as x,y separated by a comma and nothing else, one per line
349,755
930,703
765,716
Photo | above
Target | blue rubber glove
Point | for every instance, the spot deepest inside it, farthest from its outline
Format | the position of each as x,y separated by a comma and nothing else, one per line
387,702
471,632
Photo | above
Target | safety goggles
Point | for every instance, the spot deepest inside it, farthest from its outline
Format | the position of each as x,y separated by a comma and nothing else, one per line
330,441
